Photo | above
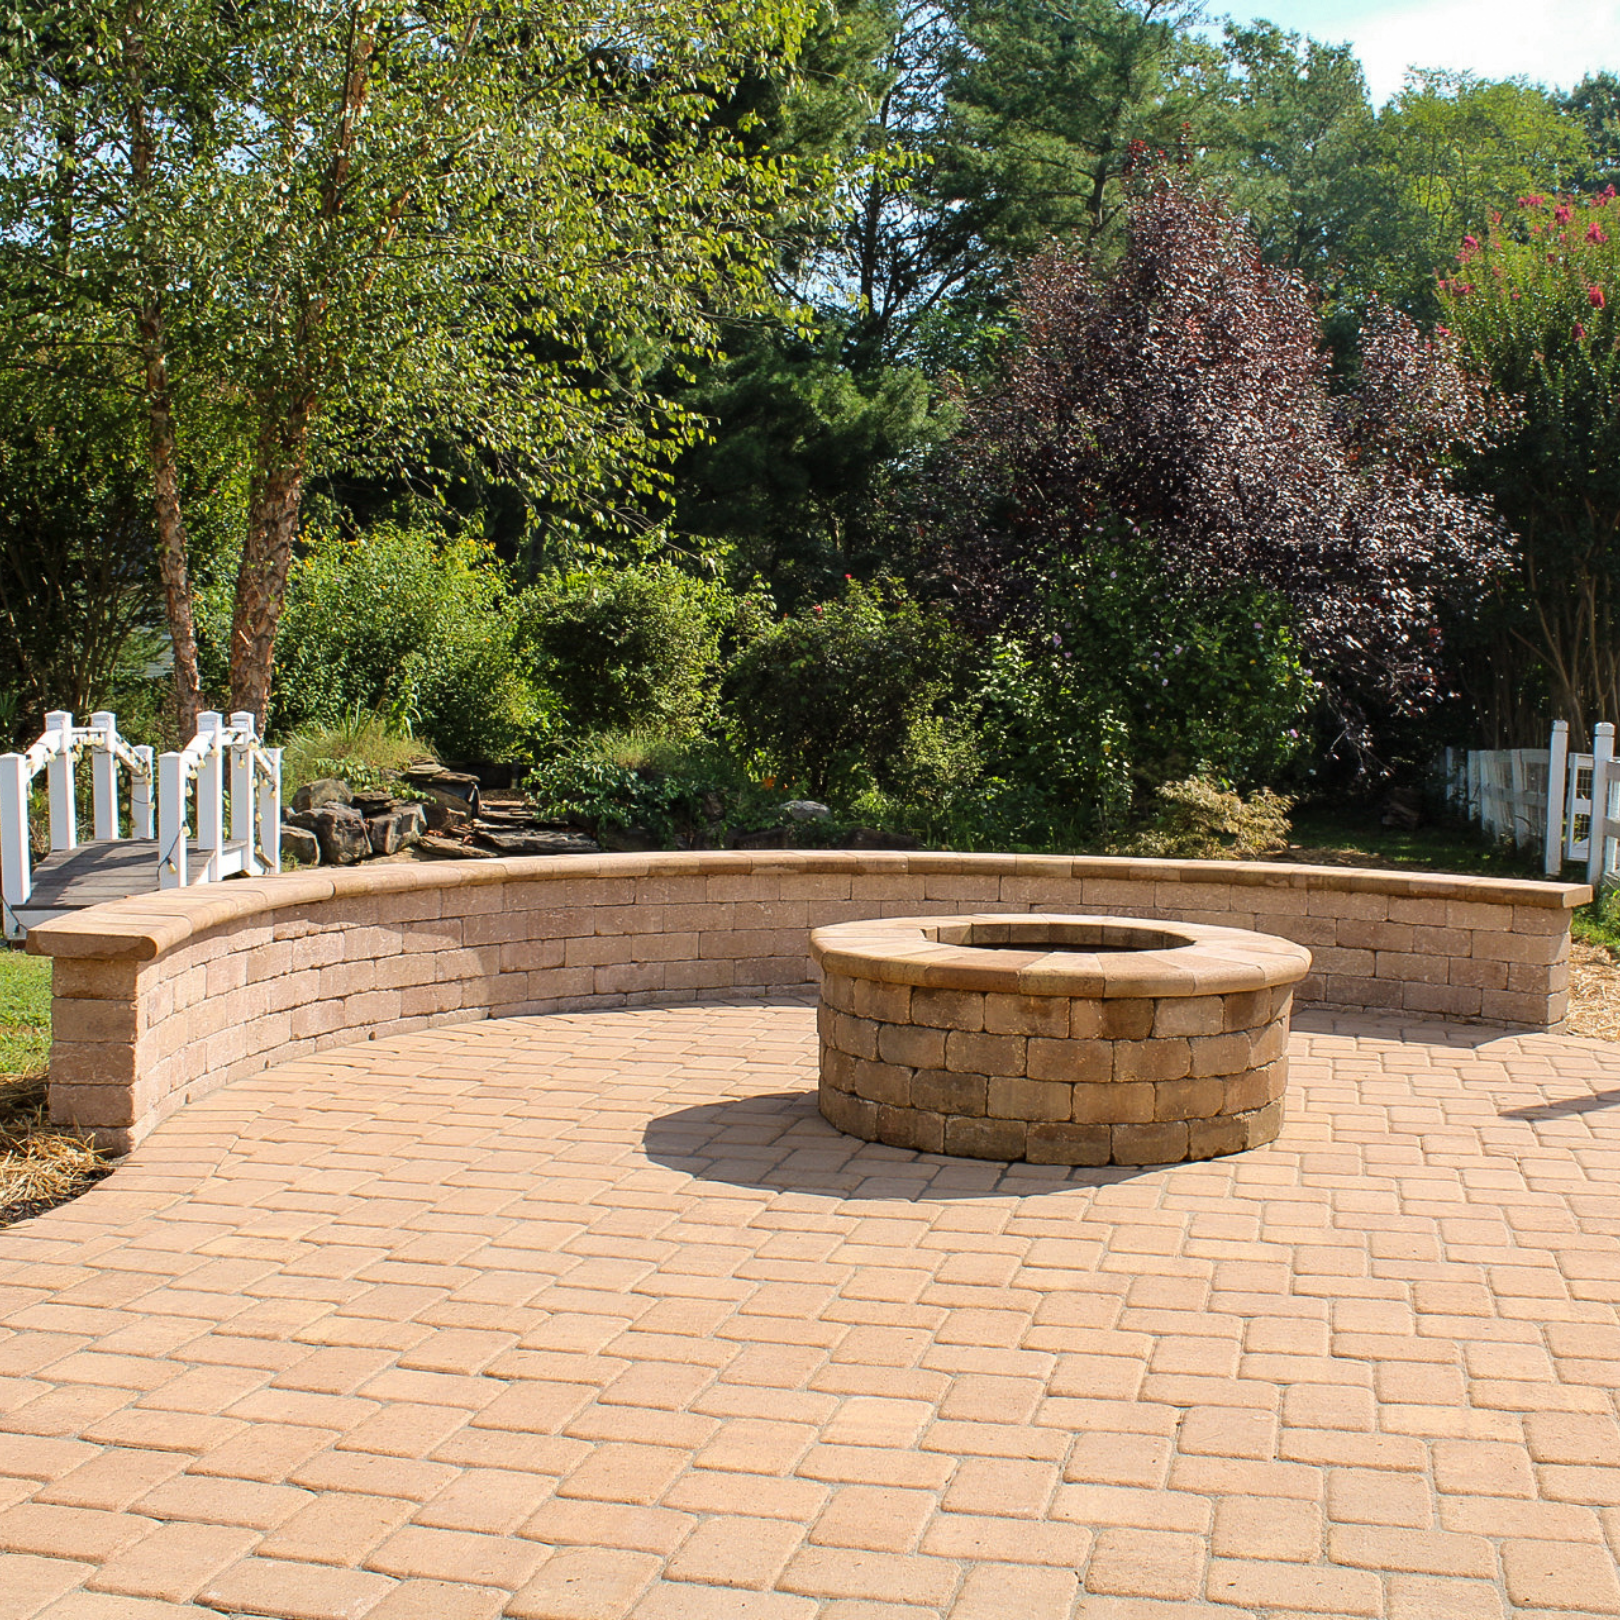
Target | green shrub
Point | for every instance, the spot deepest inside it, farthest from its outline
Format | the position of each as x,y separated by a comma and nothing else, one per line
848,693
1120,681
404,624
1201,820
684,793
625,649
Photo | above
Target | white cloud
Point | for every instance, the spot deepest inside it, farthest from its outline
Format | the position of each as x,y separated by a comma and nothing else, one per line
1556,42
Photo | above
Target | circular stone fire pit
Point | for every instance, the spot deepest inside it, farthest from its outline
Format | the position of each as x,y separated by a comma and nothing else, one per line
1058,1040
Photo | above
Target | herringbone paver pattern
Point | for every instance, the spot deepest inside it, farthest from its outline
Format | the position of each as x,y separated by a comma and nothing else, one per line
592,1317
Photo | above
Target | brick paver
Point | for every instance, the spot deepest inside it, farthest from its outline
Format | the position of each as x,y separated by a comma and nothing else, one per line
592,1317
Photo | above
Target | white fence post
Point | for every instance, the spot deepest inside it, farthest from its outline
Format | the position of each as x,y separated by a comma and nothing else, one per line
140,793
268,806
59,777
16,874
210,797
172,821
1597,836
104,776
242,797
1557,796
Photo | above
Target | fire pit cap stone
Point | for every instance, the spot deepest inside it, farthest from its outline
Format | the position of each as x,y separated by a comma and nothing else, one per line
1048,954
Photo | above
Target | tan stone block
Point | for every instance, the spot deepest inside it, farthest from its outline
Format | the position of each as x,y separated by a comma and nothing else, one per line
1013,1098
1249,1007
1151,1144
882,1083
1085,1018
947,1093
1352,933
88,977
1449,1000
986,1138
1441,941
1282,1001
1189,1015
699,976
887,1003
1410,968
1109,1104
1188,1099
1481,975
1127,1019
1219,1054
1264,1124
1254,1089
1335,959
853,1115
73,1019
1512,1007
93,1063
1326,900
1211,1138
1543,948
837,1069
1529,978
916,1128
1069,1144
1346,991
1472,914
1027,1015
913,1045
960,1010
1552,920
1168,1059
984,1054
1311,931
92,1106
1427,911
857,1036
1091,1061
1267,1044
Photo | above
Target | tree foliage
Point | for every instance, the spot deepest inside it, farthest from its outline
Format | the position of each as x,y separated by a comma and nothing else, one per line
1534,305
320,228
1185,392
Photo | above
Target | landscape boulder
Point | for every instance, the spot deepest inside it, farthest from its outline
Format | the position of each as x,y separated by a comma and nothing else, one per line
328,790
299,844
396,829
340,831
806,810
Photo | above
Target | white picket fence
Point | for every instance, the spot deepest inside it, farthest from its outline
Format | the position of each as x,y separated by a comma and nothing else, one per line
1505,790
250,844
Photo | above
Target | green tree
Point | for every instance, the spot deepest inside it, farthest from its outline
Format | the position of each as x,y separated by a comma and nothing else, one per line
1595,104
322,228
1536,303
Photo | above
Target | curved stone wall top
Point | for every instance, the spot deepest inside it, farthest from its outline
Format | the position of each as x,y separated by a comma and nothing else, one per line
163,997
1059,955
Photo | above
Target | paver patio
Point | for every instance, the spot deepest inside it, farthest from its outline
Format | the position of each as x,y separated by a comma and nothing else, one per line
591,1316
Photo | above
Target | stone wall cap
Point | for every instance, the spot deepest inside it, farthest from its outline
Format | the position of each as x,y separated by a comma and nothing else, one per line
150,925
1049,954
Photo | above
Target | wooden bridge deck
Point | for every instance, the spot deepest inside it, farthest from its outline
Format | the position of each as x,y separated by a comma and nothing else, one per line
71,879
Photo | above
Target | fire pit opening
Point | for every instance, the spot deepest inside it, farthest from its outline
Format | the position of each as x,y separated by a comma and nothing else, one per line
1055,1039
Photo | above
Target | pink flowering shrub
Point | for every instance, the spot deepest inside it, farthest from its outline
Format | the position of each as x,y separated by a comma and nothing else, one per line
1540,320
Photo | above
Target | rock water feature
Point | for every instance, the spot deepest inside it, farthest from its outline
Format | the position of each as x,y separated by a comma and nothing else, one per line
1055,1039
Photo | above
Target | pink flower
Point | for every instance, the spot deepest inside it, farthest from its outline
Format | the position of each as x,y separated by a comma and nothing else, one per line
1580,333
1515,295
1470,246
1534,200
1552,258
1594,296
1562,214
1594,233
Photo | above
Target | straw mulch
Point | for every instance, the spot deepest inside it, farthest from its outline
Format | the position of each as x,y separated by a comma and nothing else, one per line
1594,992
41,1165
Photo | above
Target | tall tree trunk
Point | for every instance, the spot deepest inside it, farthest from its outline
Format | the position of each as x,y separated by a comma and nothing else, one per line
261,583
173,568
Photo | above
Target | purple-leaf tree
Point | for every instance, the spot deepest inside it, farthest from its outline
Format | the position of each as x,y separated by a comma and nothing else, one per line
1185,395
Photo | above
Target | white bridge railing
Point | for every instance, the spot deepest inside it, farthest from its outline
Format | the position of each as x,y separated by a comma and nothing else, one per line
251,843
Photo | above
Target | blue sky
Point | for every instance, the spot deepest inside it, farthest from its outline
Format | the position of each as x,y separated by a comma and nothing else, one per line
1554,41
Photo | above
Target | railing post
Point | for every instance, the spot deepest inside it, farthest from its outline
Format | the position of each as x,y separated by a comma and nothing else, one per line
210,796
1557,796
16,874
242,797
104,776
140,793
59,777
269,812
1597,836
171,821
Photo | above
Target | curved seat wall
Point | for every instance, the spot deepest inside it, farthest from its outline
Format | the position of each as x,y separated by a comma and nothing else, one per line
163,998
